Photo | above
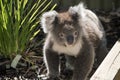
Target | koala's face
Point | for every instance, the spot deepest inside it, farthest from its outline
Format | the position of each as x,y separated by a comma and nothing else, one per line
66,29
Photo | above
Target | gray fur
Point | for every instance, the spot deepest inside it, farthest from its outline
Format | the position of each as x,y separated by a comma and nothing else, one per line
79,35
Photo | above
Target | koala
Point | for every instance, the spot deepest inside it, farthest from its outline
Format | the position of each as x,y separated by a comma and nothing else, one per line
78,34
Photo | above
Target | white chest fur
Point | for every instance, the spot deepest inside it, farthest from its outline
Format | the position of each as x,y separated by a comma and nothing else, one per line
69,50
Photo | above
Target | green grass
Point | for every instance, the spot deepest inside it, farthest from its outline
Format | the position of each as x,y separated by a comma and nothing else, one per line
18,22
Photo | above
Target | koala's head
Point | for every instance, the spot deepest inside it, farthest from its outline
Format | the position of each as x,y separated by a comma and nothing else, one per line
64,27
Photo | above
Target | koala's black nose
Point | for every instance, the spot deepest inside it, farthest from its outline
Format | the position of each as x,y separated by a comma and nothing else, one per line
70,39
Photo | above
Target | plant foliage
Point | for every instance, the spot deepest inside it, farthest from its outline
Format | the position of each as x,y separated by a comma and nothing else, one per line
18,22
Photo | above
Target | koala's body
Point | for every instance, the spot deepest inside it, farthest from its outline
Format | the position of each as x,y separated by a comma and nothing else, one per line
76,33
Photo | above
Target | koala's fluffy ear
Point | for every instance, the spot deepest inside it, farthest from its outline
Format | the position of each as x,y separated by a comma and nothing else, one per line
78,10
47,19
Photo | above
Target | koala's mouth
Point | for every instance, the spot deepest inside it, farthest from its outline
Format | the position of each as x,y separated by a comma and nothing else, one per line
68,45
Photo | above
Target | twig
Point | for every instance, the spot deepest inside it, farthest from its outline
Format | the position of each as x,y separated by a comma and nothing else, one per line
5,62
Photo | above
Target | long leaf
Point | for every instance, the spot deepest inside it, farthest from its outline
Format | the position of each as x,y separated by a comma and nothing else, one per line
18,22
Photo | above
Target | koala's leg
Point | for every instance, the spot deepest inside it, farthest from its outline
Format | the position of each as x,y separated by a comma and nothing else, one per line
51,59
69,62
101,52
83,63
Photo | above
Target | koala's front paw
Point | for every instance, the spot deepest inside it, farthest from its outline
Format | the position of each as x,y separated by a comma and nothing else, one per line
45,77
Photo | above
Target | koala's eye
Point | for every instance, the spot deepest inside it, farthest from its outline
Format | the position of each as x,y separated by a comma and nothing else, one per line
61,35
75,33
